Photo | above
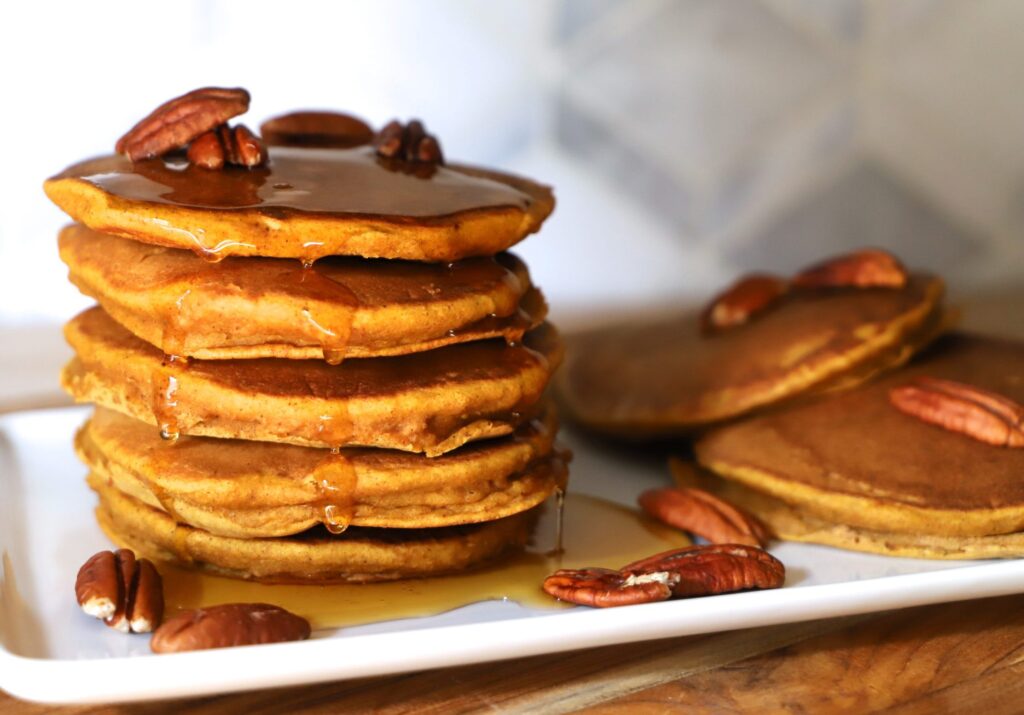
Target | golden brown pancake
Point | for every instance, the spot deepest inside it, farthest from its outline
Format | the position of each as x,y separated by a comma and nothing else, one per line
666,377
792,523
261,489
272,307
358,555
852,458
429,402
305,204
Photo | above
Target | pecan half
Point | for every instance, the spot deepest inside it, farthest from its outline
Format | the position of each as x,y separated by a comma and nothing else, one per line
870,268
316,129
408,142
125,592
174,124
604,588
704,514
227,145
681,573
230,624
742,301
712,569
980,414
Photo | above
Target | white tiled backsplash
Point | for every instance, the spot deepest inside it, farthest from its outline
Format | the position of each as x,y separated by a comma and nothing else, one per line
688,140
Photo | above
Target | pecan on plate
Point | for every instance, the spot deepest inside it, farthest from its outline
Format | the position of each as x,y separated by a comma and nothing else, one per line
316,129
125,592
704,514
174,124
870,268
408,142
682,573
227,145
230,624
742,301
980,414
712,569
604,588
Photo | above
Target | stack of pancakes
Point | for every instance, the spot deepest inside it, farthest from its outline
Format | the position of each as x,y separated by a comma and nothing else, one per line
323,369
791,416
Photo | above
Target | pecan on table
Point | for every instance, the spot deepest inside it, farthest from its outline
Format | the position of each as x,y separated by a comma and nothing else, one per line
870,268
174,124
125,592
972,411
704,514
408,142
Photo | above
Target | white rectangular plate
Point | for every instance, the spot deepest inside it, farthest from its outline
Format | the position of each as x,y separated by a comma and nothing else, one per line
50,652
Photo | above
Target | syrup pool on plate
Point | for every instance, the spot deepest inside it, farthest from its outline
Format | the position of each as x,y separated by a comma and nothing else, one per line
595,533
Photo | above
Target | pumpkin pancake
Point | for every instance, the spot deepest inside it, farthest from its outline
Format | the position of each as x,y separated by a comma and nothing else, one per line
666,377
305,204
261,489
791,523
272,307
358,555
852,458
429,402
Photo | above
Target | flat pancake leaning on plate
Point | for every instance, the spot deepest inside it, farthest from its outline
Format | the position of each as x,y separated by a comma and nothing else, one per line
671,376
790,523
260,489
273,307
854,458
430,402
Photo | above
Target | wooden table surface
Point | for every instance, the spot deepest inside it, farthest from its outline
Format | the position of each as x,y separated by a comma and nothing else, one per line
957,657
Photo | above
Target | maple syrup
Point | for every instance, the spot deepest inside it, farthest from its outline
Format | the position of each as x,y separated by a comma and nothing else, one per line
327,182
166,381
596,533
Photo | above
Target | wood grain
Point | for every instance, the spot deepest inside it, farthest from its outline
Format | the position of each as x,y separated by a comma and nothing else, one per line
947,658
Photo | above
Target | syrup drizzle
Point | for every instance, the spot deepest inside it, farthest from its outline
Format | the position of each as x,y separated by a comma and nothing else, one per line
165,395
332,329
334,475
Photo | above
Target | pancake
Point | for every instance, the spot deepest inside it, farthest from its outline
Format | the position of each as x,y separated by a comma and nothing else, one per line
793,524
852,458
261,489
359,555
305,204
429,402
272,307
665,377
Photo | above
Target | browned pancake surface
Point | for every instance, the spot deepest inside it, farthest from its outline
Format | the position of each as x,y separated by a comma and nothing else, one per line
662,377
267,307
852,457
428,402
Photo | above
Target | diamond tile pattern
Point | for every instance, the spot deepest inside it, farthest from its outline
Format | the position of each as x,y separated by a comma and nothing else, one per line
770,132
865,206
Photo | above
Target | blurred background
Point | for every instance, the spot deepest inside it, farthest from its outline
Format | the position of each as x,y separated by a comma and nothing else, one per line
688,140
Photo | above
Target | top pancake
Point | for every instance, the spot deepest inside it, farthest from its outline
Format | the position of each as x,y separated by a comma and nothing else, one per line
666,377
271,307
853,458
305,204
